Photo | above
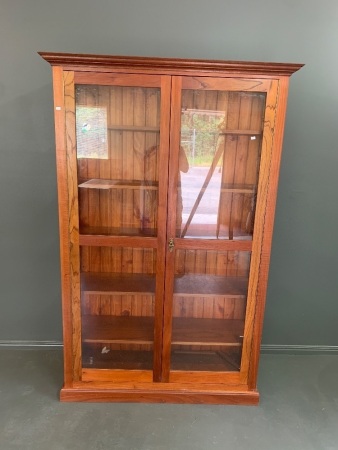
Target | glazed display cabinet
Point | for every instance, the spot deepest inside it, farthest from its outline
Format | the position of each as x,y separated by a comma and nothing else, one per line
167,178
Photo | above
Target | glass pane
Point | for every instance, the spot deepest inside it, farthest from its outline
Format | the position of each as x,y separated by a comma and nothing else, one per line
117,307
117,134
210,292
221,135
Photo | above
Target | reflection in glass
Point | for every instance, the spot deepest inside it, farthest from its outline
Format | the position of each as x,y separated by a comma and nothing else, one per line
117,307
91,132
209,305
221,138
117,138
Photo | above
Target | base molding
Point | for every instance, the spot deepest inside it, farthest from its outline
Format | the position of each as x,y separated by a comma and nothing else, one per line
249,398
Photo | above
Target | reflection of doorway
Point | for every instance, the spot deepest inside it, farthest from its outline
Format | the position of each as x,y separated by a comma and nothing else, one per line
206,214
200,138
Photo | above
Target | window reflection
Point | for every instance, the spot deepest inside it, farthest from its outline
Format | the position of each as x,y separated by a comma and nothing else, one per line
91,132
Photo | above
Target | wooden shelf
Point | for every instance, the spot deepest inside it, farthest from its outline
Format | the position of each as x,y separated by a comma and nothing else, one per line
114,231
206,361
210,232
239,188
117,330
140,330
206,332
210,286
241,132
236,132
133,128
93,358
186,285
117,283
231,188
98,183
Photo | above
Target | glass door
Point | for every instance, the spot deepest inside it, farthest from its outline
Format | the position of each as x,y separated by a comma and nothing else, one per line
214,173
121,144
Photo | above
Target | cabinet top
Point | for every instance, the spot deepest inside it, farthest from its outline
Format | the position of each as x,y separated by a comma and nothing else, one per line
72,61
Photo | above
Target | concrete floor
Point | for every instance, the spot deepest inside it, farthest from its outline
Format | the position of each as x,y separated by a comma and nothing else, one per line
298,410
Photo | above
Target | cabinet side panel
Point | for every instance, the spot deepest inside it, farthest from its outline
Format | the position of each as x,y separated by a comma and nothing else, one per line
268,226
266,199
61,167
73,223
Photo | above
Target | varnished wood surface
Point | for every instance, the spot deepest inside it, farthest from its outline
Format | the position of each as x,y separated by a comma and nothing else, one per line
198,305
118,375
227,397
259,270
207,332
219,245
117,237
88,61
102,78
62,186
232,84
277,127
111,365
119,283
73,222
186,285
133,128
140,330
204,285
99,183
238,188
117,330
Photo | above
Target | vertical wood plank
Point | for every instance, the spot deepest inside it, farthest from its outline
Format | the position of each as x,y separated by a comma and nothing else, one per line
224,225
116,152
127,155
241,162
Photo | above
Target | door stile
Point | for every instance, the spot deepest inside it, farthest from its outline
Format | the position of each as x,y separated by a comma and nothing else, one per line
74,249
171,223
162,221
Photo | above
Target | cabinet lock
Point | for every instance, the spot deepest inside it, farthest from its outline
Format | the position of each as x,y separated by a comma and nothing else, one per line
171,244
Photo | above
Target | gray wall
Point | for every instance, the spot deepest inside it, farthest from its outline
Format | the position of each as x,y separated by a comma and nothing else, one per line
302,304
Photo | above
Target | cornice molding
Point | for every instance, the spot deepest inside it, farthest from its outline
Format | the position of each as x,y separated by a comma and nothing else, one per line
80,61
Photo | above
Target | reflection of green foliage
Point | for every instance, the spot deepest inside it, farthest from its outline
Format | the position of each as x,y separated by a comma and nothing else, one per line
201,146
91,132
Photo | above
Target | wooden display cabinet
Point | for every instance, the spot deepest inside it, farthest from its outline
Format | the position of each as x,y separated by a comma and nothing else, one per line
167,178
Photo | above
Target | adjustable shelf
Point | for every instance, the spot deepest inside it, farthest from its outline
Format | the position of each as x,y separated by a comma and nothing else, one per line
238,188
186,285
210,286
140,330
117,284
133,128
98,183
207,361
86,232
